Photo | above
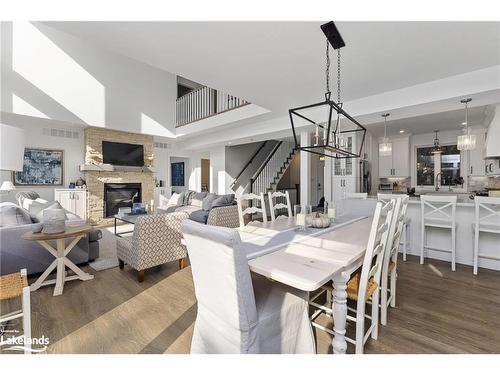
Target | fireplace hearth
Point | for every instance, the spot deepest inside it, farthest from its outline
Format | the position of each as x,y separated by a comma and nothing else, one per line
120,195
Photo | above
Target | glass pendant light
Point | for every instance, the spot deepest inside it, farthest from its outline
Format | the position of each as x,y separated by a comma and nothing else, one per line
385,148
436,150
466,141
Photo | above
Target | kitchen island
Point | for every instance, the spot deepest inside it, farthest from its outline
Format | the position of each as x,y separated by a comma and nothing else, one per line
438,237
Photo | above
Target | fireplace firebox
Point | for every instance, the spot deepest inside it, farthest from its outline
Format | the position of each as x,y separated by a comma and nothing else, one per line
120,195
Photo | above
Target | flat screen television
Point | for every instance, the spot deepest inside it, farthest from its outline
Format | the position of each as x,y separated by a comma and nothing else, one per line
122,154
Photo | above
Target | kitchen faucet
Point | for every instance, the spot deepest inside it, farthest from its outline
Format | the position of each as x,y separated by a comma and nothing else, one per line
438,181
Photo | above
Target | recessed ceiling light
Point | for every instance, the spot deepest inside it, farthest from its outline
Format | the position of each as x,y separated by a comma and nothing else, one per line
229,143
464,123
401,131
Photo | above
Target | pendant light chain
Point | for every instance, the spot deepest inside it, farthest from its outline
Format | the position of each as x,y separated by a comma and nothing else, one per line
338,76
327,68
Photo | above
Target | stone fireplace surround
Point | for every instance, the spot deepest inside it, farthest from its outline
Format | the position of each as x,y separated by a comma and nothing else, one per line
96,179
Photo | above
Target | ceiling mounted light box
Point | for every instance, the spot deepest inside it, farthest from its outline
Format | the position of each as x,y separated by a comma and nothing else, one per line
331,123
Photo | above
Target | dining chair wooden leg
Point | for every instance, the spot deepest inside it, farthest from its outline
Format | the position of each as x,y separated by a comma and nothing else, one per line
182,263
383,298
394,276
140,276
360,326
26,306
405,241
374,322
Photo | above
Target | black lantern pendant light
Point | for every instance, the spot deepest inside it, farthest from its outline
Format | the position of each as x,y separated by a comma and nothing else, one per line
329,136
437,149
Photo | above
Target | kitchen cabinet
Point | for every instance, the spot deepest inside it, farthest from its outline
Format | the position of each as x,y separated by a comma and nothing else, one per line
477,165
346,171
73,200
398,163
492,167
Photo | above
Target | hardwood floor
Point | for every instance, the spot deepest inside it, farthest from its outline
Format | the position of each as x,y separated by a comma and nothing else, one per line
438,311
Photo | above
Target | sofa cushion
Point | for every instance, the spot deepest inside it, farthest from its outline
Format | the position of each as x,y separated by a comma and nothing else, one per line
223,200
207,201
13,215
24,198
187,209
175,200
36,210
200,216
197,199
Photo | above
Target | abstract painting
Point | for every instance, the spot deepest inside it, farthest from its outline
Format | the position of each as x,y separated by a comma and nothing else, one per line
41,168
177,174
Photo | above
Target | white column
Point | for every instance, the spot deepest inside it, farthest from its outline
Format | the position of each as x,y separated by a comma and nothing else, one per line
218,175
305,170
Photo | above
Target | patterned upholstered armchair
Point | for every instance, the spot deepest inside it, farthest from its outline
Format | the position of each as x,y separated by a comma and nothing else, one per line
226,216
156,240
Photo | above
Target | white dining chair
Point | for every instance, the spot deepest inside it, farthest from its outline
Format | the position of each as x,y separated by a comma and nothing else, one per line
356,195
405,235
240,312
279,205
438,211
250,209
487,220
364,286
12,286
389,268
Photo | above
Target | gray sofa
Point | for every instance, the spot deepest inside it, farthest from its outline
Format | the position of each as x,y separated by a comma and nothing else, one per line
206,208
16,253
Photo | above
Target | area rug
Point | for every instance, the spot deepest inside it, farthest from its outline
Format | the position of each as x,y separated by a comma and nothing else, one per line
107,248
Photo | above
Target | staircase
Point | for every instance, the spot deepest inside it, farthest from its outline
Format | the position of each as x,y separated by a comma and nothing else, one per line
269,174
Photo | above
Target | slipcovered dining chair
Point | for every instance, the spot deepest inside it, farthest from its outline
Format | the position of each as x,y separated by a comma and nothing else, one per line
239,312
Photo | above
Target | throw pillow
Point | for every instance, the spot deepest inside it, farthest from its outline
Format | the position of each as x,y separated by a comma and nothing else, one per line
197,199
223,200
25,198
37,208
208,200
12,215
188,196
175,200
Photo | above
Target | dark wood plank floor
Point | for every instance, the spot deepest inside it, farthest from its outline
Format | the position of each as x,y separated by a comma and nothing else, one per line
438,311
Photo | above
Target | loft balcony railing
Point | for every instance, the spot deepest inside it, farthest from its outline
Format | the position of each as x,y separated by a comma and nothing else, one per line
203,103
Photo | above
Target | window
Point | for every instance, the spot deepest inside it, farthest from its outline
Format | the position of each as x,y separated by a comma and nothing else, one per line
448,165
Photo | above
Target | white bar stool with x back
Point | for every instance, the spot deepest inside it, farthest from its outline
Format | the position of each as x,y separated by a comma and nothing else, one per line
405,234
487,220
438,212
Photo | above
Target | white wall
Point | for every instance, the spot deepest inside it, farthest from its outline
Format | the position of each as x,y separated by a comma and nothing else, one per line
50,74
74,153
219,178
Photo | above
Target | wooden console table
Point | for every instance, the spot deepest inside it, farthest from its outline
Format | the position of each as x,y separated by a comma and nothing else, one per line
60,253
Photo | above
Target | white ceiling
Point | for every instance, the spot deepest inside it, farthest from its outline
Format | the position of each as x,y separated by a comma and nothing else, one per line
278,65
425,124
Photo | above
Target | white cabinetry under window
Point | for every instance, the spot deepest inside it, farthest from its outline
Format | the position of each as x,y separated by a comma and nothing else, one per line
477,165
398,163
73,200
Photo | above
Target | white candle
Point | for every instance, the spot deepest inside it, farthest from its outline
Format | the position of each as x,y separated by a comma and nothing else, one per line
301,219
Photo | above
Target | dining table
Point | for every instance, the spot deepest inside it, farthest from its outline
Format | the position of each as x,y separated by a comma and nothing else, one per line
308,259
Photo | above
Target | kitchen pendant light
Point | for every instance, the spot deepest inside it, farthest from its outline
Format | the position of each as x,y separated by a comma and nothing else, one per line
329,138
385,148
466,141
436,150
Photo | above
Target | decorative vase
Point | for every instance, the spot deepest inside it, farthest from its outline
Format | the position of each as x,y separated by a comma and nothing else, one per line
80,182
54,221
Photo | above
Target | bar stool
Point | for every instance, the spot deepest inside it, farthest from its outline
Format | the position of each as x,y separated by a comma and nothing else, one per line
489,223
405,234
438,212
12,286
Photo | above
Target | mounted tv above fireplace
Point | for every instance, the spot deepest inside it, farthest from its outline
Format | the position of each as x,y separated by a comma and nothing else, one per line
122,154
